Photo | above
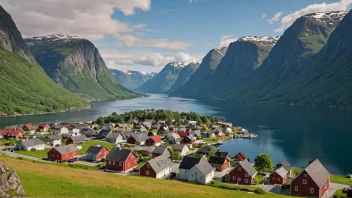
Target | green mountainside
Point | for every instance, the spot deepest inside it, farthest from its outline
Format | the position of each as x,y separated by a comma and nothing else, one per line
184,76
24,86
131,79
76,64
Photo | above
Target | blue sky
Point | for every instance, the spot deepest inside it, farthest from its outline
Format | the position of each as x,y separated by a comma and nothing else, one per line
146,34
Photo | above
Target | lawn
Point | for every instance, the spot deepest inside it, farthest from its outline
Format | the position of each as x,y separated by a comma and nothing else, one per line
38,180
90,143
340,194
38,154
340,179
259,178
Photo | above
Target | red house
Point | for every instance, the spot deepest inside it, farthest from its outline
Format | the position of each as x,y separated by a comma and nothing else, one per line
219,163
97,153
63,153
189,140
153,141
279,176
12,133
159,167
182,134
121,160
243,173
44,127
240,157
313,181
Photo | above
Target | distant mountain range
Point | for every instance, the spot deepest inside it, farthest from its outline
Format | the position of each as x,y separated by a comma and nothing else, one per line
131,79
75,64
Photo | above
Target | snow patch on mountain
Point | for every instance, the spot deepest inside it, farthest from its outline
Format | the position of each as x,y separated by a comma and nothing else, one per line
262,40
51,38
328,17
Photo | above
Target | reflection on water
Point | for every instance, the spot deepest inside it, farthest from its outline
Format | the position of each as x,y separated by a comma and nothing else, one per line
296,134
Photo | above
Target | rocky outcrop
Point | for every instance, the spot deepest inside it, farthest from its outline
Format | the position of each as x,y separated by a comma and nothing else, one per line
10,183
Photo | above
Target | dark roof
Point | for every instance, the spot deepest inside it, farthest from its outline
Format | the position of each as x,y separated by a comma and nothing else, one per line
189,162
94,149
178,147
240,156
159,150
204,167
247,167
66,149
206,149
119,155
285,165
160,163
77,139
222,154
217,160
317,172
104,132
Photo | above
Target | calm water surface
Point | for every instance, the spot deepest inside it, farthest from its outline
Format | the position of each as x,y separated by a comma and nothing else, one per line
296,134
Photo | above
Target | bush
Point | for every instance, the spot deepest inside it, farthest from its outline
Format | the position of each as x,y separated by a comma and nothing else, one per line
225,178
259,191
33,149
20,158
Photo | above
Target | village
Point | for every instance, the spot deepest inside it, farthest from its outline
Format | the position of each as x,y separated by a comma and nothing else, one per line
177,149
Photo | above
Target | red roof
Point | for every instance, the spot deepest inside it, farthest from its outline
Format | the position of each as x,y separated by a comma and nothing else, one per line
182,133
240,156
28,125
11,131
156,138
45,126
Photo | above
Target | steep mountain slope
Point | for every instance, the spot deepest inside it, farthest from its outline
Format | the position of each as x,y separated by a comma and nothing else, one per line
242,58
75,64
184,76
131,79
24,86
205,70
291,55
327,81
162,82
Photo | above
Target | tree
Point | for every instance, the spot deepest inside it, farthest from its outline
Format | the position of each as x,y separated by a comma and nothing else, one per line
175,156
100,121
263,161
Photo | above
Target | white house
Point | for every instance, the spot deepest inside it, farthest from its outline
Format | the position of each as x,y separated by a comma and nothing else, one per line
159,167
181,149
60,130
174,138
114,138
187,164
201,173
30,144
54,140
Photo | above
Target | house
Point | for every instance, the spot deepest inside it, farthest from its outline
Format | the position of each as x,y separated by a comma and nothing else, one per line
205,150
159,167
182,133
228,130
12,133
125,127
243,173
174,138
201,173
121,160
54,140
162,133
279,176
171,127
223,154
349,176
89,132
114,138
97,153
127,134
44,127
192,123
103,132
218,132
313,181
138,138
181,149
30,128
63,153
219,163
186,165
163,130
190,139
75,140
195,133
147,125
285,165
156,126
153,141
240,157
60,130
161,150
208,134
140,129
150,133
30,145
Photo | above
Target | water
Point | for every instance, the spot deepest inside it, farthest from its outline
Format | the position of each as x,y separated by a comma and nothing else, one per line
295,134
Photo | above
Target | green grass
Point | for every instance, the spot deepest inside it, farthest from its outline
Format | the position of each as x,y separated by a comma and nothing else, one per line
296,170
38,154
339,194
90,143
340,179
210,140
259,179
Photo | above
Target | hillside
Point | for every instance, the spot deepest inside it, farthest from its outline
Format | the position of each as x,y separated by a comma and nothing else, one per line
75,64
184,76
205,70
163,81
131,79
24,86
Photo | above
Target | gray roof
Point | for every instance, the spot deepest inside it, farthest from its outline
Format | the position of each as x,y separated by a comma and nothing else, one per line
178,147
119,155
104,132
54,137
32,142
281,171
247,167
160,163
140,137
94,149
206,149
77,139
204,167
66,149
159,150
217,160
285,165
317,172
188,162
112,136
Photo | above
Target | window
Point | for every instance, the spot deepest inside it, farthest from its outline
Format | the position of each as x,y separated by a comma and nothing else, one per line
304,181
239,169
109,162
120,164
296,188
311,190
238,180
233,177
278,179
246,181
195,173
246,175
148,166
305,175
146,172
113,163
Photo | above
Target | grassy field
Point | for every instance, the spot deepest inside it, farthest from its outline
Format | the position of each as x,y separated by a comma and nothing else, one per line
39,154
38,180
340,179
89,143
340,194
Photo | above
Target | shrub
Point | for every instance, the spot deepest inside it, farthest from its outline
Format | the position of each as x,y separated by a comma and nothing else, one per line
33,149
259,191
244,189
225,178
20,158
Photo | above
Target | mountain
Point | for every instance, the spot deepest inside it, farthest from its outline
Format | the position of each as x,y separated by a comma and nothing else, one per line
184,76
238,65
131,79
75,64
163,81
24,86
290,56
205,70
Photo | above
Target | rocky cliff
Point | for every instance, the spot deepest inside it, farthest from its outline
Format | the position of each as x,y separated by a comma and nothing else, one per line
10,184
131,79
184,76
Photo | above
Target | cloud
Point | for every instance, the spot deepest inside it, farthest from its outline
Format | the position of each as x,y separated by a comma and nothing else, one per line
226,40
89,20
264,16
288,20
115,59
131,40
276,17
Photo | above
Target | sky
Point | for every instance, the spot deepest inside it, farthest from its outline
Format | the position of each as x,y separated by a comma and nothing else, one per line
145,35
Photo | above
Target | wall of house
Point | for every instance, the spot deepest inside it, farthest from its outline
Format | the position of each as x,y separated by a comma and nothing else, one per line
115,165
164,173
183,174
195,175
131,140
221,167
131,162
324,188
102,155
146,170
56,142
277,179
64,130
37,147
304,189
54,155
150,142
240,176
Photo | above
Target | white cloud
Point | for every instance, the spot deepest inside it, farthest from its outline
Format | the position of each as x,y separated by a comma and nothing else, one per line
288,20
89,20
226,40
276,17
264,16
131,40
115,59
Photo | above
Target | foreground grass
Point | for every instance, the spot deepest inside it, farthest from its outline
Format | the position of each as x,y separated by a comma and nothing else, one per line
38,154
339,194
90,143
38,181
340,179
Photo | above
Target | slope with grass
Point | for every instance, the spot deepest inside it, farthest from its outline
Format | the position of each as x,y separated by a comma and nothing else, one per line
131,79
184,76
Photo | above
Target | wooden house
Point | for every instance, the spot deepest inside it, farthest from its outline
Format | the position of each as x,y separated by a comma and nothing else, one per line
161,150
63,153
243,173
121,160
159,167
219,163
153,141
97,153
